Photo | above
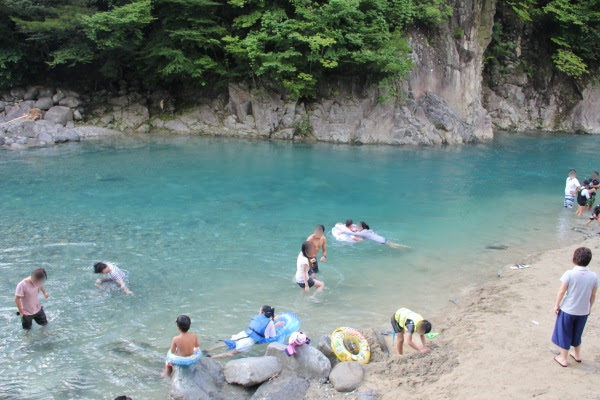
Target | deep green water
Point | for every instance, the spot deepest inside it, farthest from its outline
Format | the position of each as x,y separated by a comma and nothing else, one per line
211,228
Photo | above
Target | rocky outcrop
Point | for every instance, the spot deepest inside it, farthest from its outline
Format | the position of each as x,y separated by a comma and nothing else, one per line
308,362
288,387
346,376
251,371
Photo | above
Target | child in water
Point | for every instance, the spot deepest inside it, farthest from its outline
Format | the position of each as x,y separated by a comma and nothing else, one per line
595,216
409,322
583,196
571,188
304,268
114,274
262,326
185,344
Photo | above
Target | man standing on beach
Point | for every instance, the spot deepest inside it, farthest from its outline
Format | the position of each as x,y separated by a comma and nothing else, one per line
26,299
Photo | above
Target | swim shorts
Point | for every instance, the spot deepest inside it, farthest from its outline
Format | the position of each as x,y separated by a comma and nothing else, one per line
311,283
569,199
314,268
409,324
39,318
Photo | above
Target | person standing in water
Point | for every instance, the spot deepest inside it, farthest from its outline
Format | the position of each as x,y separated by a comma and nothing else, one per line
304,270
571,188
594,184
26,299
319,241
364,231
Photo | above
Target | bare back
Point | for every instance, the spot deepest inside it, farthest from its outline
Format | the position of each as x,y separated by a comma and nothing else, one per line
184,344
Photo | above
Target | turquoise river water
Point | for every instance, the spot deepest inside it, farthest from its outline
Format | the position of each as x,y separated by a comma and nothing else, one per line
212,227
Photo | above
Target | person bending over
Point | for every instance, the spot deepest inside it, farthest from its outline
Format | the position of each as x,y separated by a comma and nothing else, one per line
408,322
185,344
583,197
595,216
114,274
260,328
364,231
319,241
27,301
304,272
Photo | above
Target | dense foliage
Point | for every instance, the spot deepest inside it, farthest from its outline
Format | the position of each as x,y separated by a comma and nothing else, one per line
570,27
290,43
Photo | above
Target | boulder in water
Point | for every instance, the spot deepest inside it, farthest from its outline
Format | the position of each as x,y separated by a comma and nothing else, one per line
308,362
202,381
346,376
251,371
286,387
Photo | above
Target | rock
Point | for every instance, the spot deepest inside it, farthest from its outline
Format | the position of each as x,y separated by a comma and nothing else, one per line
71,102
202,381
60,137
30,94
2,140
368,395
308,362
251,371
70,125
45,92
46,127
134,117
286,387
239,101
324,347
45,138
2,105
21,140
237,392
44,103
18,93
7,97
73,136
17,146
346,376
87,131
77,115
376,343
59,115
58,96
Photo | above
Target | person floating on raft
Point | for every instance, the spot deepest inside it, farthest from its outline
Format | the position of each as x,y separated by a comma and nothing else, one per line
364,231
262,329
409,322
185,348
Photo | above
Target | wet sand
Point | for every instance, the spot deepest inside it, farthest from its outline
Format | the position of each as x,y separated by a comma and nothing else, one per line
494,343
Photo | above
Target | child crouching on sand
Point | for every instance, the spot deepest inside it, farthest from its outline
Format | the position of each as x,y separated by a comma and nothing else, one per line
572,309
409,322
183,345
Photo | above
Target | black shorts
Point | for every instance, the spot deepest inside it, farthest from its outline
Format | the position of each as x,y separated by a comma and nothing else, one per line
39,318
315,268
584,201
311,283
395,325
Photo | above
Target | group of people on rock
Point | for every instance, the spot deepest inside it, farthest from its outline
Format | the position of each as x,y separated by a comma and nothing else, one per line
584,194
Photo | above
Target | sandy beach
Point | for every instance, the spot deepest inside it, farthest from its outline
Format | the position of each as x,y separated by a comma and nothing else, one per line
494,343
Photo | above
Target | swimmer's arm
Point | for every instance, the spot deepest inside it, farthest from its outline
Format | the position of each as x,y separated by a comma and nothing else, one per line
43,290
19,303
124,287
561,293
173,346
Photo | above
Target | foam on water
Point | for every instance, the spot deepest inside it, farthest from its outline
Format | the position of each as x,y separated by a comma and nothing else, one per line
211,228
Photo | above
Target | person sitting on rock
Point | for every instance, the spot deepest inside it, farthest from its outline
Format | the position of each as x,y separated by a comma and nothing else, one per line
261,328
183,345
409,322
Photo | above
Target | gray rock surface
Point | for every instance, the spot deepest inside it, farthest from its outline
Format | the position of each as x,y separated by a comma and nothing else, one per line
30,94
58,96
251,371
71,102
59,115
346,376
308,362
286,387
368,395
44,103
17,93
324,347
202,381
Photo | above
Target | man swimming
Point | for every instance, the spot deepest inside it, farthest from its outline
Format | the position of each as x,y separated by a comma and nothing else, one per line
363,231
319,241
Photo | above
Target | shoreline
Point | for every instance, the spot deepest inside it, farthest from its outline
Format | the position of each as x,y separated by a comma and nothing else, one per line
494,342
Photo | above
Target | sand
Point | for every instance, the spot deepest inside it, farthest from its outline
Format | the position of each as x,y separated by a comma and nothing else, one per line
494,344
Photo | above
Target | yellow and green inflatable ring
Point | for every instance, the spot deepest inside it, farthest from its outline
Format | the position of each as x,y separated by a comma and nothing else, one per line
342,353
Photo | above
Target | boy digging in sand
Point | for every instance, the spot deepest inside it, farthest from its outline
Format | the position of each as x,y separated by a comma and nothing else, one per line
183,345
409,322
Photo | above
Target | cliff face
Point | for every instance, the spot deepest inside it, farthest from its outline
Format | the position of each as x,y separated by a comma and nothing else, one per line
523,91
441,102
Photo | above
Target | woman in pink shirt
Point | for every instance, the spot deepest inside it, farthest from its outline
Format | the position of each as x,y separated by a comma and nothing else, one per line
26,299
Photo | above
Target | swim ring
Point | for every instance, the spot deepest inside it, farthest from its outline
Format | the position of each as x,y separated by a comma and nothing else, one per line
184,361
292,324
362,351
336,231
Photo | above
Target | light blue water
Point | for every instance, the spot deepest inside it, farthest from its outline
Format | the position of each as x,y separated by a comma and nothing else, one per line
211,228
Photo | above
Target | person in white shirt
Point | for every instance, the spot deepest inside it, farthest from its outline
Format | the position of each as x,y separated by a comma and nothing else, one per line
574,302
571,188
304,272
583,196
364,231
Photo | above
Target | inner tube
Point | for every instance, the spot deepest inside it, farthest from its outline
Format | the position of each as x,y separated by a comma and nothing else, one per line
292,324
362,349
184,361
336,232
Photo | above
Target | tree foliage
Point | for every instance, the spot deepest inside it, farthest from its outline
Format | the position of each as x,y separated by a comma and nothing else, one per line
290,43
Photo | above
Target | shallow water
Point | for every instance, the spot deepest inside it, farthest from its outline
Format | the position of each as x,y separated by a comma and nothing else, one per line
212,227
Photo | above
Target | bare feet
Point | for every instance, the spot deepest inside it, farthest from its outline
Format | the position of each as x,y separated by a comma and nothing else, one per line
563,363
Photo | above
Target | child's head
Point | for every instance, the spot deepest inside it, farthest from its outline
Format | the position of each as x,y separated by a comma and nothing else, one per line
39,275
423,327
582,257
595,175
267,311
99,268
586,183
308,250
183,323
572,173
348,223
123,398
363,225
319,230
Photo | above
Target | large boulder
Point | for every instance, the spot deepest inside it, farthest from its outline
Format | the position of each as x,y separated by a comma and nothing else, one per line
346,376
58,96
45,92
2,105
30,94
324,347
308,362
59,115
286,387
251,371
44,103
17,93
202,381
71,102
